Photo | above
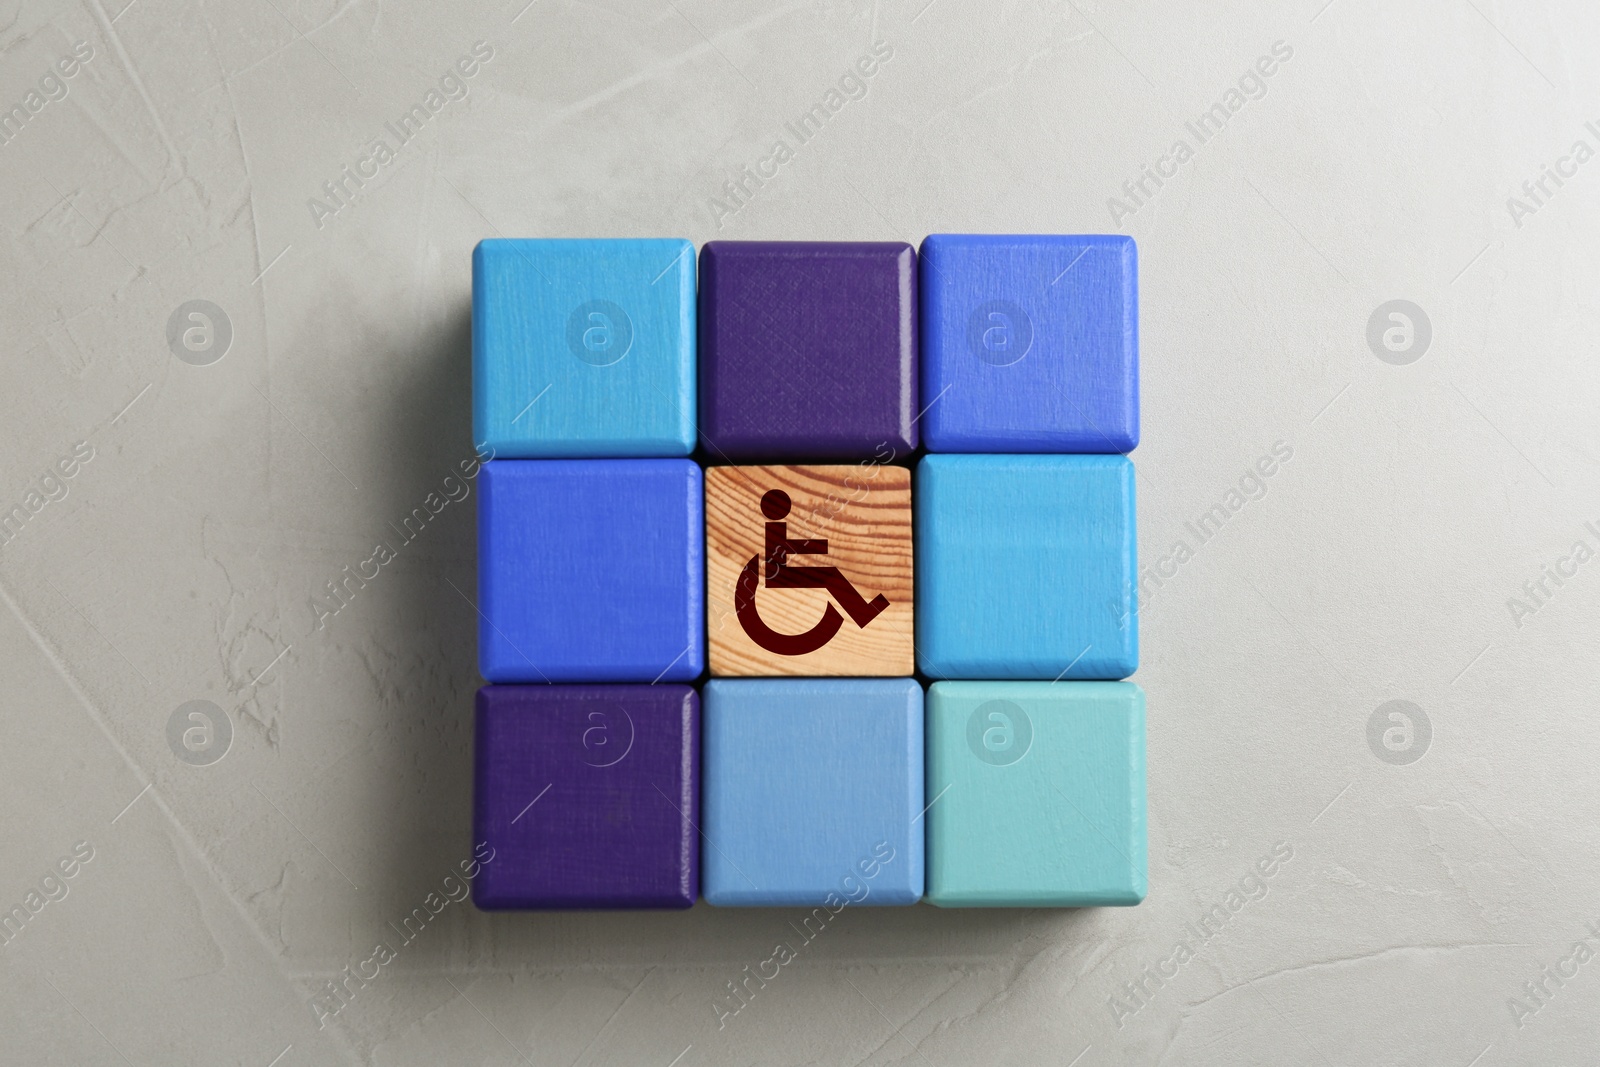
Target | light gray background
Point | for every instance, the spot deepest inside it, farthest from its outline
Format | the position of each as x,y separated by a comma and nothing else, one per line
1377,566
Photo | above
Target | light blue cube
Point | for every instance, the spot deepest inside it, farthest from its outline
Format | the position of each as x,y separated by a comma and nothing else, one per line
1030,343
1025,567
1041,794
583,348
811,793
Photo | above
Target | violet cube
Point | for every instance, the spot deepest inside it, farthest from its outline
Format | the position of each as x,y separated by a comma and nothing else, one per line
808,350
587,796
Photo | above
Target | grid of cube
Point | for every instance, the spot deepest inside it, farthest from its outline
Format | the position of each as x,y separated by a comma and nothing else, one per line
1012,359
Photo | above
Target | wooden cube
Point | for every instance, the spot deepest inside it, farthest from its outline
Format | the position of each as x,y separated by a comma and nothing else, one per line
809,570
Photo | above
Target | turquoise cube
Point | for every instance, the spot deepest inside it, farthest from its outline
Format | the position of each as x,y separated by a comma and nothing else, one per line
583,348
1039,794
811,792
1025,567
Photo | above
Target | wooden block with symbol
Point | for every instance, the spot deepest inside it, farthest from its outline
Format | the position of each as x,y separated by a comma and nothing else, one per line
808,570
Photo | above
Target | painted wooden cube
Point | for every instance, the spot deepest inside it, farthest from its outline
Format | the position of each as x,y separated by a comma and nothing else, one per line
808,350
812,792
1025,567
809,570
587,796
1030,344
591,570
583,348
1040,791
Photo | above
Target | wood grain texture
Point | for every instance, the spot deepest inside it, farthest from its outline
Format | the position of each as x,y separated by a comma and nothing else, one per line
864,513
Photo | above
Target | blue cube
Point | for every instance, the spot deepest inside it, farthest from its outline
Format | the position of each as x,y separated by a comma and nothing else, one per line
1030,344
583,348
1025,567
1042,794
811,793
591,570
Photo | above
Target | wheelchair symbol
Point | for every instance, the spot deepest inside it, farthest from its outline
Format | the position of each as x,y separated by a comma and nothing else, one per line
781,574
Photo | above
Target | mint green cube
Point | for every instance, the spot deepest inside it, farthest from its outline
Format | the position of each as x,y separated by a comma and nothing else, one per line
1037,794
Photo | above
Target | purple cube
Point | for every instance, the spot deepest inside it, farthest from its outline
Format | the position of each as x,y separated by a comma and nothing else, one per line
587,796
808,350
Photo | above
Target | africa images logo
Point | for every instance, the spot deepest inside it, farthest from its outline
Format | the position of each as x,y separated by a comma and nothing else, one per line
999,733
999,333
599,333
607,737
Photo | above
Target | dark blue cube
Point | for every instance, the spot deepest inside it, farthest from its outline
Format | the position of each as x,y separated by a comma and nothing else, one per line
591,570
1030,344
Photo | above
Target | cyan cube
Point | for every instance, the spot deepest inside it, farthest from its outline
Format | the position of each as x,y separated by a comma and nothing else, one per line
591,570
1025,567
1041,791
1030,343
811,792
583,348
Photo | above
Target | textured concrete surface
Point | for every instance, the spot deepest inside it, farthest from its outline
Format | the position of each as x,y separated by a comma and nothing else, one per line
1396,552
